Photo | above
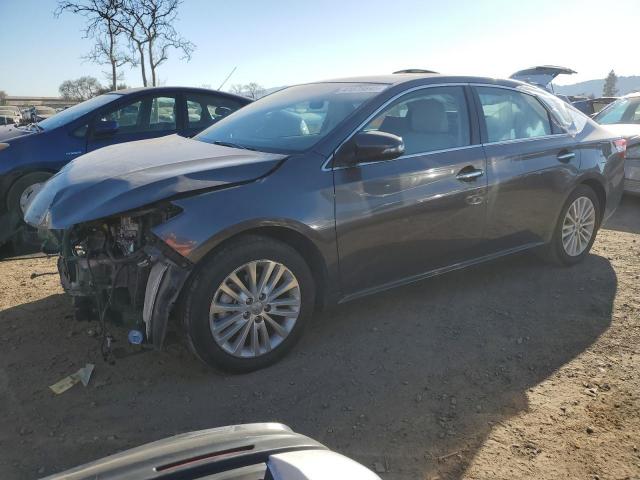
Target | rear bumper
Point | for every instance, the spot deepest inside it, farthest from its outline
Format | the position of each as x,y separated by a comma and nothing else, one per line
632,177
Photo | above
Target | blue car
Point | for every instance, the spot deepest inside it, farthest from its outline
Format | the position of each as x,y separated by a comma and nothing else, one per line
30,155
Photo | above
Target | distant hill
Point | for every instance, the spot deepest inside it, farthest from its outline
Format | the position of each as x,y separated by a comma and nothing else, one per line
594,87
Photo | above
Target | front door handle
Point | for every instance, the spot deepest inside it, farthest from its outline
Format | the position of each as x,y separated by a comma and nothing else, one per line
566,156
468,174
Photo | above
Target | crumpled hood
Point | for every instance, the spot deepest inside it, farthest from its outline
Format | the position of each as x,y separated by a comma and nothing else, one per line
123,177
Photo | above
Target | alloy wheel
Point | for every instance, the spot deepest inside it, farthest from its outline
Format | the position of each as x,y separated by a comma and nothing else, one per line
255,308
578,226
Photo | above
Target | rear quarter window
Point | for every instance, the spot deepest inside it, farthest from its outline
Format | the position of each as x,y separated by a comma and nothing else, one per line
568,118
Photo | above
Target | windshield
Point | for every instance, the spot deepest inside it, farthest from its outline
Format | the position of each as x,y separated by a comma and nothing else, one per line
625,110
75,112
293,119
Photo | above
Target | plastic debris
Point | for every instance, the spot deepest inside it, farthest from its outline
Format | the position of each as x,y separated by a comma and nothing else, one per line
83,376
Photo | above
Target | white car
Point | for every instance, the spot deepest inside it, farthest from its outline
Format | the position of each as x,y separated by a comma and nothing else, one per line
623,118
10,115
41,112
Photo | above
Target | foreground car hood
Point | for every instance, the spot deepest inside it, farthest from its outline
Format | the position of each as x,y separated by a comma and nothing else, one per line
123,177
197,454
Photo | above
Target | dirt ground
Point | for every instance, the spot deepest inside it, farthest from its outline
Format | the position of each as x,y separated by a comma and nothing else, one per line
513,369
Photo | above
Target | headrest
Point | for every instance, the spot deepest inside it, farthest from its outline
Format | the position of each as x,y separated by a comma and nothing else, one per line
428,116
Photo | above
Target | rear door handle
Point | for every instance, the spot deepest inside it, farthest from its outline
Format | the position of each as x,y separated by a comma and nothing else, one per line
566,156
469,174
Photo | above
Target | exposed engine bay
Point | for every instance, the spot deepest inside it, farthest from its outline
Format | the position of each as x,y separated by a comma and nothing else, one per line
117,270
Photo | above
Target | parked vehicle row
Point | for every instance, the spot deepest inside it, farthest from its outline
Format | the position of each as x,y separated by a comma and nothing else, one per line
318,194
36,152
623,118
591,106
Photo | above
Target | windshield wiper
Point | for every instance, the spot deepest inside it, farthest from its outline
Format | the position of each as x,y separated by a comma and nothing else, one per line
232,145
37,127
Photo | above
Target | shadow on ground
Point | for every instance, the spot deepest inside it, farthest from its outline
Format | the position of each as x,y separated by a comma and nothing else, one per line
626,216
401,378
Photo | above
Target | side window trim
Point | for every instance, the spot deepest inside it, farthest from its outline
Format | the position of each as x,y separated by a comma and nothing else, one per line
483,126
471,109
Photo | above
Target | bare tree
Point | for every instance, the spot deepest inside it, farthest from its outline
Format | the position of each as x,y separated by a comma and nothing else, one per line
3,97
104,24
80,89
237,88
254,90
149,24
251,90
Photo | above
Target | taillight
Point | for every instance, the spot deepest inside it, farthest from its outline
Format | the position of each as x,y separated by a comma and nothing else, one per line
620,146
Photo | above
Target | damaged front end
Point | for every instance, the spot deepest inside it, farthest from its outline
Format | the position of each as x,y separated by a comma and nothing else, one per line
117,270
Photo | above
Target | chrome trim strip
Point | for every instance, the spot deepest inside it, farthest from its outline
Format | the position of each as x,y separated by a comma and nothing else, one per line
530,139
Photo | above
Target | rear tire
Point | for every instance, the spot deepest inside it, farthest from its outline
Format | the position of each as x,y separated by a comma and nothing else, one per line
204,320
576,228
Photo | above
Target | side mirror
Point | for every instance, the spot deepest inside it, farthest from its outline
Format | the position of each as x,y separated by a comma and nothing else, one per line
369,147
222,111
105,127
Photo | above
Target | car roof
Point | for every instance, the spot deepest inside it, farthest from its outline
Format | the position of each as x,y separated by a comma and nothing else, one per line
632,95
127,91
427,78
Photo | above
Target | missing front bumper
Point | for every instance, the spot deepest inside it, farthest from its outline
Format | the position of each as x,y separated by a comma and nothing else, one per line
140,293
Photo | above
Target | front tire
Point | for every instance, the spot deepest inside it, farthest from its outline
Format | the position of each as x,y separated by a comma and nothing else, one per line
576,228
20,193
248,304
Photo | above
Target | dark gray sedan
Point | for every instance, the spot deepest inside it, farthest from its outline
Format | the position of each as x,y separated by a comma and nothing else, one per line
319,194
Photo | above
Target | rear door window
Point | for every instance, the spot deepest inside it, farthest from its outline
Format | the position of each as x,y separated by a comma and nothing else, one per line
512,115
163,114
204,110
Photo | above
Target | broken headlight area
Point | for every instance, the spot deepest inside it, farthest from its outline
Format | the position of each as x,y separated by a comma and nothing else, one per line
116,270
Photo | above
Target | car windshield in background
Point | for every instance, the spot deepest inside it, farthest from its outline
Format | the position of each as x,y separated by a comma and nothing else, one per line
293,119
625,110
72,113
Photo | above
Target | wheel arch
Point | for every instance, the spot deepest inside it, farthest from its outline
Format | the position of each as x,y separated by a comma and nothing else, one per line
597,186
14,178
295,238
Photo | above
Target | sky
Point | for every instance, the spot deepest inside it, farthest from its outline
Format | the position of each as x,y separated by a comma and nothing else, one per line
284,42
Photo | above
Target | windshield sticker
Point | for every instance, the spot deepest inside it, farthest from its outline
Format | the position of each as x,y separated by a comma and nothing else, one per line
371,88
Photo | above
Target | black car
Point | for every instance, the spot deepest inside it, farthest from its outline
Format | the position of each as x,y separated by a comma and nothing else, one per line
31,154
591,106
322,193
